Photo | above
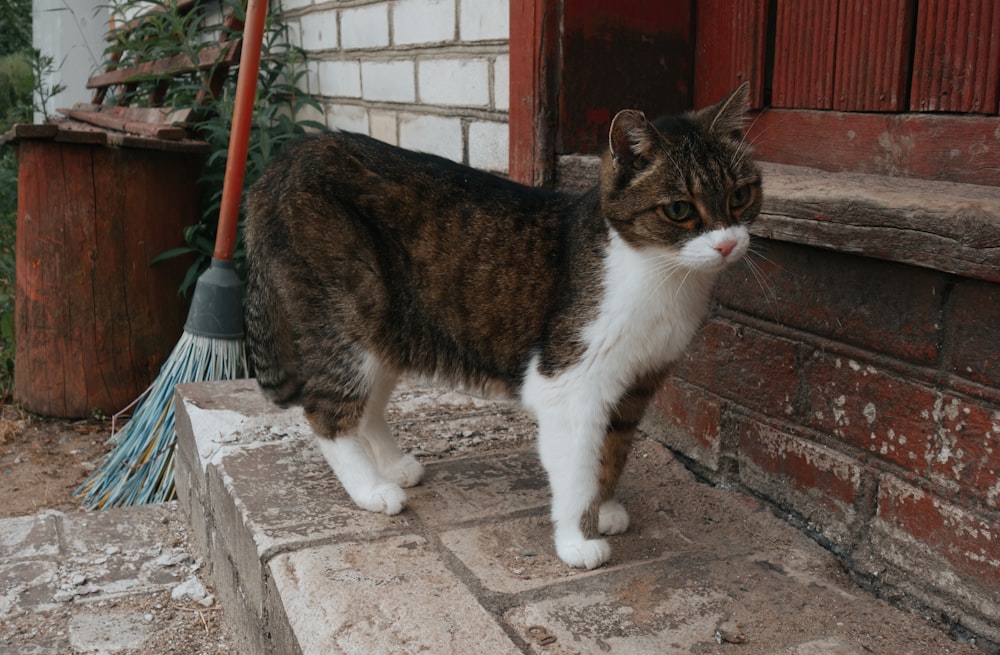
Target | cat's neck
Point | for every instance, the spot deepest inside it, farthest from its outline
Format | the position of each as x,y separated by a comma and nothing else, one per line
650,308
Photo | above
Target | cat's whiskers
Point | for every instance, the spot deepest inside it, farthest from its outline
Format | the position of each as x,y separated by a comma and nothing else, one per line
767,290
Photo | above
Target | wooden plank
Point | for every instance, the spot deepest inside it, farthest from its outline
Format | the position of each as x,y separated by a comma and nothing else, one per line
872,61
112,252
30,131
534,68
944,226
37,249
209,56
730,48
161,115
109,120
616,55
957,59
68,134
804,50
930,146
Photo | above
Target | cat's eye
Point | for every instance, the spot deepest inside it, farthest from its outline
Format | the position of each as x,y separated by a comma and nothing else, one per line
677,211
740,197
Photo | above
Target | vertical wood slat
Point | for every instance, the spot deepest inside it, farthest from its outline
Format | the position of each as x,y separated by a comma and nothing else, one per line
805,40
730,48
534,63
93,320
957,60
871,68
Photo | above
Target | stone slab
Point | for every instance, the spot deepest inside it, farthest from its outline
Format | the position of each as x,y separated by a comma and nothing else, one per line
389,596
470,566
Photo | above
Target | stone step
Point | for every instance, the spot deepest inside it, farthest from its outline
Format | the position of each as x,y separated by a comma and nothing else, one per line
469,566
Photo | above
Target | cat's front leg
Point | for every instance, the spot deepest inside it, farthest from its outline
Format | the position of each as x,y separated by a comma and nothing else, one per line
570,452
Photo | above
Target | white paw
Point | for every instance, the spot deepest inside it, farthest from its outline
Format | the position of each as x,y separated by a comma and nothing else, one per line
584,553
613,519
405,471
384,497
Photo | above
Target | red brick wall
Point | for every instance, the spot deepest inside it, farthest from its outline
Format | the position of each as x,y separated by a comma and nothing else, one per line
862,398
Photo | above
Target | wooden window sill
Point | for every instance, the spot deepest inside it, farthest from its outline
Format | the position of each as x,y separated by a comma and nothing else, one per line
945,226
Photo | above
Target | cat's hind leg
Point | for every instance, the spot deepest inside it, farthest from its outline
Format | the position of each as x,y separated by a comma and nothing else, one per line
335,401
393,464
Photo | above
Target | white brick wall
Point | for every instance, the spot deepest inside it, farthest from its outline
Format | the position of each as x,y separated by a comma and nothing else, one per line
365,27
464,82
429,75
423,21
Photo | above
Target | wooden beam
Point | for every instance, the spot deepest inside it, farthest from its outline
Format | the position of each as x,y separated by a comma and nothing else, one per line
534,70
951,147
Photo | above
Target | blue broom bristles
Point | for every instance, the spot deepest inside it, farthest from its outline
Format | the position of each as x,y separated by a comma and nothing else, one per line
140,467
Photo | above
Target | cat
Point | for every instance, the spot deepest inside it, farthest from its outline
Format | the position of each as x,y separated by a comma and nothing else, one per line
366,261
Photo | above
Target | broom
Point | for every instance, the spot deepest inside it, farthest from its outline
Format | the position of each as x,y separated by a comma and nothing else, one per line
140,467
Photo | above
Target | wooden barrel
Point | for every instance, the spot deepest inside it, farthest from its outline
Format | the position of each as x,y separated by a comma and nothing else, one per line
94,320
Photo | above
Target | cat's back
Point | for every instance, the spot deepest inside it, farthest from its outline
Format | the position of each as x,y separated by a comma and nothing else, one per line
359,171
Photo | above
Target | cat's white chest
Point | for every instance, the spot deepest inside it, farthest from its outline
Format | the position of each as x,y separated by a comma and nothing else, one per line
651,308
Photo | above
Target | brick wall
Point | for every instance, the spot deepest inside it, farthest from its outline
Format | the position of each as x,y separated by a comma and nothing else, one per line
428,75
861,397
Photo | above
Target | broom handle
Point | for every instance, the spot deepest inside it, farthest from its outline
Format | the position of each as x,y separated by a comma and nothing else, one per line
236,159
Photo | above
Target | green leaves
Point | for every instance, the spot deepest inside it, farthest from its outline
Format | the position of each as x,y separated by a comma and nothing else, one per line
277,112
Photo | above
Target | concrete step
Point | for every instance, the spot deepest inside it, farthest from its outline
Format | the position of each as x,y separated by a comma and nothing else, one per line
469,566
102,582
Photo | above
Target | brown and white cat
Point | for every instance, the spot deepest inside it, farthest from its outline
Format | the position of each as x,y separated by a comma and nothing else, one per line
367,261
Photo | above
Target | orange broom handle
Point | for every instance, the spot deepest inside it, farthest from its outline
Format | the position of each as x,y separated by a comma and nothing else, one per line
236,159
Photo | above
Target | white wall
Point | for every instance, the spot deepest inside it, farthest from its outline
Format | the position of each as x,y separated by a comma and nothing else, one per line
72,33
429,75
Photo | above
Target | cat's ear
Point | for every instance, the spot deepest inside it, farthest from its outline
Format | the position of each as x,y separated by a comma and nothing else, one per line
728,117
631,141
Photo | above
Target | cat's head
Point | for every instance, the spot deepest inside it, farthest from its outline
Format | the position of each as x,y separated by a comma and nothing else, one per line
685,183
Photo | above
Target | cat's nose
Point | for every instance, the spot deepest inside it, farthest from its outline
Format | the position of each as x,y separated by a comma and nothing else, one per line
725,247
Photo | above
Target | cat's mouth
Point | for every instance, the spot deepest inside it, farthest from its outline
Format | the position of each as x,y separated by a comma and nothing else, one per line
713,251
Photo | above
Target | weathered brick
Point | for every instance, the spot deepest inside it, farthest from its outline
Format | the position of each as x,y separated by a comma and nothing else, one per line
754,369
434,134
816,482
340,79
488,145
319,31
383,125
687,419
966,461
972,332
483,20
391,81
457,82
871,409
365,26
423,21
501,83
910,521
351,118
882,306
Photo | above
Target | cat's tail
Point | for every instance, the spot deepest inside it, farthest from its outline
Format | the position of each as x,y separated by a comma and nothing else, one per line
269,339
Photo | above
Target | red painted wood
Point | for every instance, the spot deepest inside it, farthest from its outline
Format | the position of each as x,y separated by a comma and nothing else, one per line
534,64
804,49
954,148
627,54
957,60
872,62
730,48
93,320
